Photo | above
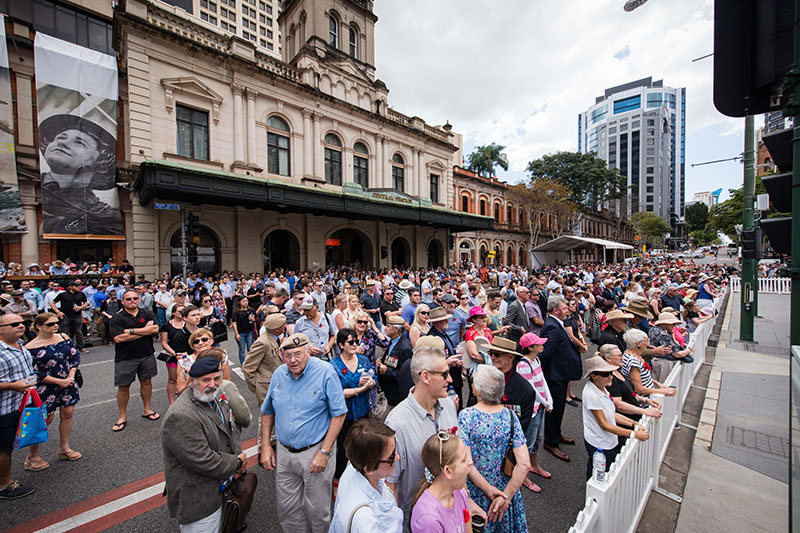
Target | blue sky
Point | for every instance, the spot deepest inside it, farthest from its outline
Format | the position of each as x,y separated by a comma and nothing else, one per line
518,72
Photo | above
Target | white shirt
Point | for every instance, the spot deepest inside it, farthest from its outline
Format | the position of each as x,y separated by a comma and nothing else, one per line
164,298
381,515
595,399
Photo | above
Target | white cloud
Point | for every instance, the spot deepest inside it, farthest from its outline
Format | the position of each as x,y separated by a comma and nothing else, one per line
518,72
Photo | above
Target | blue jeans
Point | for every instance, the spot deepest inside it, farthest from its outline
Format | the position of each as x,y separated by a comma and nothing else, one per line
535,430
245,343
161,315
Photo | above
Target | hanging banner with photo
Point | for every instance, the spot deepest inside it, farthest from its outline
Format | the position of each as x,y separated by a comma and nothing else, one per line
12,219
76,97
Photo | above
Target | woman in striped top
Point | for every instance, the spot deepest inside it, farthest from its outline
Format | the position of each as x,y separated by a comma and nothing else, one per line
635,368
529,368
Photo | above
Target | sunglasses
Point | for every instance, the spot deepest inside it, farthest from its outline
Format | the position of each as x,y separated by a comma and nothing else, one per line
362,322
131,299
602,374
424,313
206,301
199,340
389,461
50,324
12,324
443,373
352,342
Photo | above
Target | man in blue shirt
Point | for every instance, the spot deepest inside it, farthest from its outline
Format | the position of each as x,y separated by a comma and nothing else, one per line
671,298
457,324
411,308
306,405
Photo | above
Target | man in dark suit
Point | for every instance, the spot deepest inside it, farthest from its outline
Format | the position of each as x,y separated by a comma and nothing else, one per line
540,286
516,316
398,351
561,363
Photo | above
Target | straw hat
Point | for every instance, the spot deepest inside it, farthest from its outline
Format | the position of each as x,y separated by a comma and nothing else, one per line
690,294
405,285
639,309
502,345
617,314
597,364
667,318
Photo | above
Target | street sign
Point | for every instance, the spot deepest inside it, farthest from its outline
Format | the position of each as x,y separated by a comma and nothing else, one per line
167,207
637,238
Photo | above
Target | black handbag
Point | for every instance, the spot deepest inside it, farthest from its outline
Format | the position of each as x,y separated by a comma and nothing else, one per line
220,331
167,357
238,499
509,460
78,378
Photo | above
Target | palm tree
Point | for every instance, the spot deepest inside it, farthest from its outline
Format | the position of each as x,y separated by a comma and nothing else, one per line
484,158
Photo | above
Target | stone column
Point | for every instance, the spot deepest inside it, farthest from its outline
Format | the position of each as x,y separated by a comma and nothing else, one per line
319,172
252,153
377,173
308,145
424,185
348,172
387,167
238,124
29,241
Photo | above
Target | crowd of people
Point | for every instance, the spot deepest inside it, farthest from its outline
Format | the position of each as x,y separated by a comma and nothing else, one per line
418,400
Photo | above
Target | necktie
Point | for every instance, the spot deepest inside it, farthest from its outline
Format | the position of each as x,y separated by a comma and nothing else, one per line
217,409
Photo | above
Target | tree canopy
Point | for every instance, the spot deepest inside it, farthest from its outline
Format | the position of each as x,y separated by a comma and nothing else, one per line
588,177
547,204
726,215
650,227
696,216
483,160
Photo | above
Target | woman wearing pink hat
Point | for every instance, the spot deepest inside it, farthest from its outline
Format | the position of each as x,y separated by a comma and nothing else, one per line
479,328
529,368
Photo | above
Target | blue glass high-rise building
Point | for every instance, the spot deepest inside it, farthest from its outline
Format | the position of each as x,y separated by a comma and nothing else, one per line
640,128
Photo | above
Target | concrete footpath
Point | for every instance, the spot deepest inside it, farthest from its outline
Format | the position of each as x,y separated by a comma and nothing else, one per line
727,467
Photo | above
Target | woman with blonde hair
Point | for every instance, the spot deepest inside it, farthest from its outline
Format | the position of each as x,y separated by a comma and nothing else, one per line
442,504
368,335
420,325
200,340
353,307
339,306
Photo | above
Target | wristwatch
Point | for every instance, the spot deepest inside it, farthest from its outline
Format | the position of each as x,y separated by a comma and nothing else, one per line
131,331
323,452
239,464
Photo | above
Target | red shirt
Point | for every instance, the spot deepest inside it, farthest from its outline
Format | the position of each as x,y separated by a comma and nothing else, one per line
472,333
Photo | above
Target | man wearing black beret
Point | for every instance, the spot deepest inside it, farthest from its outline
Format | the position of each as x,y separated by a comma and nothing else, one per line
200,450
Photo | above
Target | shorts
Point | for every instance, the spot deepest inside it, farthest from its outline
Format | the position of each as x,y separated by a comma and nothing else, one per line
126,371
535,430
8,430
171,365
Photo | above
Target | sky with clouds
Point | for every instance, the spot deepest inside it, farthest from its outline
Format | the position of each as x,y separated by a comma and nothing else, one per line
518,72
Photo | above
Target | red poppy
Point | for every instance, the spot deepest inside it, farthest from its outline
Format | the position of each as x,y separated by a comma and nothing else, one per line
141,320
222,397
453,430
466,516
344,371
646,366
505,398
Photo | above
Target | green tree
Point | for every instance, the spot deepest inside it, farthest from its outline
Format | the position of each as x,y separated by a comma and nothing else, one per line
727,215
484,158
697,216
546,203
704,236
588,177
650,227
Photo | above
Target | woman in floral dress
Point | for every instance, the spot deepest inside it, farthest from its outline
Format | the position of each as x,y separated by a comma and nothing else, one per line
55,360
369,336
485,430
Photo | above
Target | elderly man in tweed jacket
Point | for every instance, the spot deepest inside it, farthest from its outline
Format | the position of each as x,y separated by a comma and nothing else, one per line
200,451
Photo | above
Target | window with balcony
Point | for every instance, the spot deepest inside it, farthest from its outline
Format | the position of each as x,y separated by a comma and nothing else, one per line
333,159
278,161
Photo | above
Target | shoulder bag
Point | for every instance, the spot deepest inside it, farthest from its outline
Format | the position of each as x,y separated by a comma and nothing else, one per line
509,461
238,499
350,522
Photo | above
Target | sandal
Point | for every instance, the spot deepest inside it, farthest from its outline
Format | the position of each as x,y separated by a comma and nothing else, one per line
71,455
531,486
119,426
541,472
36,467
152,416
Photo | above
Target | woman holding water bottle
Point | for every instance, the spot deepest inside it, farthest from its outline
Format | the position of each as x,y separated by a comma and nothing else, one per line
601,422
357,376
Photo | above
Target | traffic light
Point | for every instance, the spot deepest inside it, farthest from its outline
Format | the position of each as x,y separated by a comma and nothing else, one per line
384,252
779,188
753,49
751,244
192,253
193,226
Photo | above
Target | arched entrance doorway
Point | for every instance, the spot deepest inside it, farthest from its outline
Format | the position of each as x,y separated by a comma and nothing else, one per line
484,253
401,253
348,247
435,254
281,250
465,252
498,255
522,259
203,252
510,256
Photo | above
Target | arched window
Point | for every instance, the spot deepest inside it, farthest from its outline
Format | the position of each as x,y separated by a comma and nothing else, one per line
509,216
465,203
290,41
302,29
354,42
522,256
333,30
278,161
361,164
510,256
398,173
483,207
521,217
497,212
333,159
498,255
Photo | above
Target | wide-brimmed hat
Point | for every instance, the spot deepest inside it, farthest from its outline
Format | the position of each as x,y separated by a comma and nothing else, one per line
597,364
667,318
58,263
639,309
476,311
690,294
529,339
52,126
616,314
483,343
503,345
438,314
405,284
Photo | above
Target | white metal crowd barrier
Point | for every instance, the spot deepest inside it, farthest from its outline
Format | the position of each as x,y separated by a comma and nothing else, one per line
765,285
617,504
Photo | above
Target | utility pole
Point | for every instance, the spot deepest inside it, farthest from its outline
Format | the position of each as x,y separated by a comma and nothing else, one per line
184,254
794,107
749,281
